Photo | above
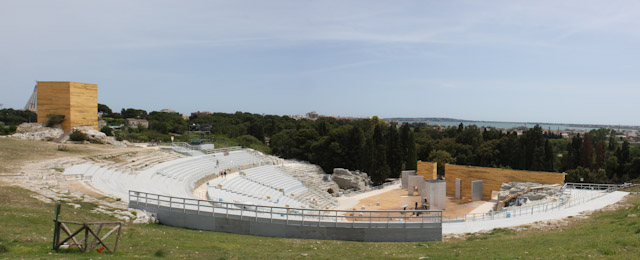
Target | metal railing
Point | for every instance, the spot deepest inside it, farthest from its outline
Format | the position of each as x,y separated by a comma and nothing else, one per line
571,200
290,216
595,186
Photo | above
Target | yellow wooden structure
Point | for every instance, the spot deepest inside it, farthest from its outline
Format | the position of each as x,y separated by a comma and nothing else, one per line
428,170
78,102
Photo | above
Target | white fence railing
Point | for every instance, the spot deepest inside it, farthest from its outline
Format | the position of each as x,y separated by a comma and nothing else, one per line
573,199
290,216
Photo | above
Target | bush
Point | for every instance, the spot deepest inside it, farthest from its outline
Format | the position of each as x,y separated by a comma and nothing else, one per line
3,248
107,130
160,253
78,136
143,138
119,135
54,119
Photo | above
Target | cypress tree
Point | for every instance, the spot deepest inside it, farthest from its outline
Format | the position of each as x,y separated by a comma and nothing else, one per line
412,154
394,152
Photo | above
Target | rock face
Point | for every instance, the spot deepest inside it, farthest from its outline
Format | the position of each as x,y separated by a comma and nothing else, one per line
348,180
509,188
97,136
37,131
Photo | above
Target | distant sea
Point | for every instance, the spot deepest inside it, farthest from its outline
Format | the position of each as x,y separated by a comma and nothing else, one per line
503,125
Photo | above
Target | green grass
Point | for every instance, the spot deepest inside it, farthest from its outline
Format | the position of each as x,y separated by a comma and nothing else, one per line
632,189
27,230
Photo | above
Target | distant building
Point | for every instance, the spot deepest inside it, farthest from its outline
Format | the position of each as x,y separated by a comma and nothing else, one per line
200,112
77,102
135,123
166,110
312,115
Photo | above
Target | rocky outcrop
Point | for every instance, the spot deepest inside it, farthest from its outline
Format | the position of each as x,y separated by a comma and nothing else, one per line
509,188
350,180
95,136
37,131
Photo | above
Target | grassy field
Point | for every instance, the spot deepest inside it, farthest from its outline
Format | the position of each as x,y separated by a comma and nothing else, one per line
632,189
26,232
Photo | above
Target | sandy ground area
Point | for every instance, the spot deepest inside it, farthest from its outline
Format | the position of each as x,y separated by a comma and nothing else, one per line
394,198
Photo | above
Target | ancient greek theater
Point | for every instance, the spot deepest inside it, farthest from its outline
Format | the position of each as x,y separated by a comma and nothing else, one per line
243,191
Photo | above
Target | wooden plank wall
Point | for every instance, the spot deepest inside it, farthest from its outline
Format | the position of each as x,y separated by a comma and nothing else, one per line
428,170
78,102
84,105
493,178
53,98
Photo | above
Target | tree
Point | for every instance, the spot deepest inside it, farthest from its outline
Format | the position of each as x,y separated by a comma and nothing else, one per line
412,156
586,152
106,111
634,169
488,154
601,152
405,131
532,144
380,169
106,130
442,158
394,152
167,122
549,157
613,143
256,130
133,113
624,155
611,166
573,148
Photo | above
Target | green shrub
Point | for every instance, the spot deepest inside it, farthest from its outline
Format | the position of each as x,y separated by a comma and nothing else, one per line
120,136
106,130
160,253
607,251
3,248
54,119
78,136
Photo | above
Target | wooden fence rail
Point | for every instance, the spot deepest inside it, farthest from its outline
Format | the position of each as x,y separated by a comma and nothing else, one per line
84,245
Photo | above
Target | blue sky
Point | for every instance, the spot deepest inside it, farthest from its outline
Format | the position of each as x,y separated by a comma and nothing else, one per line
542,61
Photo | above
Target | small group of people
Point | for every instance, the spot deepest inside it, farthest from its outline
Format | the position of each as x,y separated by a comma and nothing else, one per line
223,174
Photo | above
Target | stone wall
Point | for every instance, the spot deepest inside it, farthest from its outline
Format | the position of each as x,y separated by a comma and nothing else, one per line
354,231
436,194
405,178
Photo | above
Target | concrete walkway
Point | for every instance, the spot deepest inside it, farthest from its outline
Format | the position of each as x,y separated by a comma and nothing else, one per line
347,203
484,225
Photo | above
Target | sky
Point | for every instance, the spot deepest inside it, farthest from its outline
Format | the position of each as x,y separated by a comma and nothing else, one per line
524,61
